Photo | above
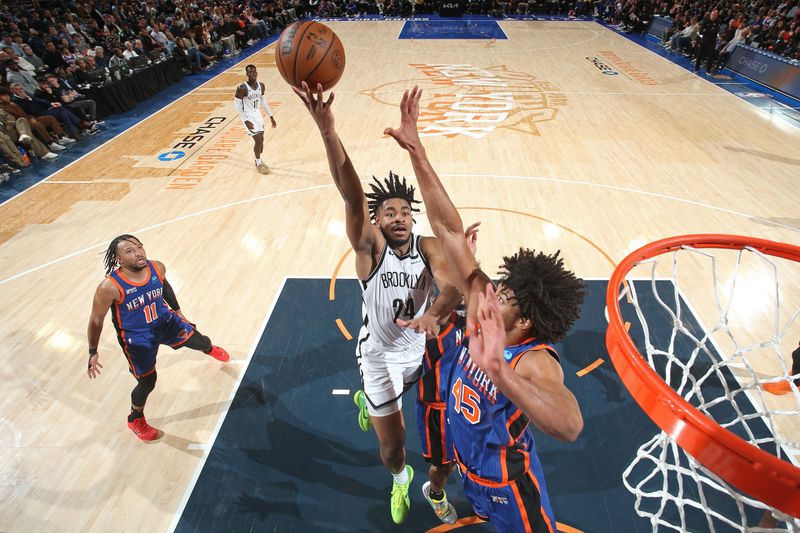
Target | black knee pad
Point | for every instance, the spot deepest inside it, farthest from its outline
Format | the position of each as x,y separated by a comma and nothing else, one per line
198,341
143,389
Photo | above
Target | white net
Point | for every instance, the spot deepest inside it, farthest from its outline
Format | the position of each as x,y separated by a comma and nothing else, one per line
718,354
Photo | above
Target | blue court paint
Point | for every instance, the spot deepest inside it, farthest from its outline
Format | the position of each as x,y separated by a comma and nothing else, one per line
290,456
452,29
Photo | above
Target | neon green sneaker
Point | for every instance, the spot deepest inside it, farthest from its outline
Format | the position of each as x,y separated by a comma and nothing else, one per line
444,510
400,502
364,421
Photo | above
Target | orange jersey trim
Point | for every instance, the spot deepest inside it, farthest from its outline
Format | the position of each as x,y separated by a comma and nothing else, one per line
523,513
145,282
428,430
511,420
541,507
119,288
476,478
515,361
442,431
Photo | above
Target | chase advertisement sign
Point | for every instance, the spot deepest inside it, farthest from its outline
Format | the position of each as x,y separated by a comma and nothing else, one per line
773,71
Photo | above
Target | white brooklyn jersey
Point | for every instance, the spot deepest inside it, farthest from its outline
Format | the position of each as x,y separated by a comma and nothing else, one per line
398,287
252,101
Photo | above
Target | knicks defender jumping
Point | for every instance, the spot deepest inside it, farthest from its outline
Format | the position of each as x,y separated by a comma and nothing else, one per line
505,374
138,293
396,270
250,98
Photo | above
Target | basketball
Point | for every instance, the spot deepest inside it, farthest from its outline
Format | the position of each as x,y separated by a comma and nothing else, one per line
310,52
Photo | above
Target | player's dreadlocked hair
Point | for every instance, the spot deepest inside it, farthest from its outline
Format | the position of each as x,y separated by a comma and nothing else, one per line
547,293
111,252
392,187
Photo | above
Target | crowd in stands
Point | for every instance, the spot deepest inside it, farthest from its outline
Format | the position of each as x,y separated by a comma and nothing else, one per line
50,49
708,30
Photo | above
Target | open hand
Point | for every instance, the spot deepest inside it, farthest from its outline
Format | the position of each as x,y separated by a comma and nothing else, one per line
424,324
94,366
320,109
488,337
407,135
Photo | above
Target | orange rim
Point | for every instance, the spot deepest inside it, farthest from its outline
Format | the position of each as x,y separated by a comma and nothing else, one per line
755,472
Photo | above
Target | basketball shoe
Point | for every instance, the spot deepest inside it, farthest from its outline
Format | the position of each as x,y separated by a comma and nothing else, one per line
444,510
219,354
262,168
400,503
143,430
364,421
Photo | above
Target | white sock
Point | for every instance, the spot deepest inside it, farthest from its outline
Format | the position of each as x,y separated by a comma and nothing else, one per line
258,161
402,477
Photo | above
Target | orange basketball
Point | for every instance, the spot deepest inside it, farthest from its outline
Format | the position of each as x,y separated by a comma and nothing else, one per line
310,52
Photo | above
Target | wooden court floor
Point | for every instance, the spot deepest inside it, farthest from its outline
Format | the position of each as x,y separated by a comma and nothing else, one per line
531,135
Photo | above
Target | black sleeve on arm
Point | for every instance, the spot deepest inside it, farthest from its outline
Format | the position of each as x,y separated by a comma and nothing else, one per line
169,296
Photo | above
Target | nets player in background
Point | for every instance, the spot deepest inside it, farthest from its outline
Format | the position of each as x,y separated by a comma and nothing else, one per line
432,393
250,98
502,381
396,269
139,294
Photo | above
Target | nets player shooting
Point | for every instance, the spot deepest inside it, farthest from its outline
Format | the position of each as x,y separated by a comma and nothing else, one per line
250,98
396,269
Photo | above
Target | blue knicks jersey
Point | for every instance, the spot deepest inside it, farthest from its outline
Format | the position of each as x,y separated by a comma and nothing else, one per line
433,385
490,433
142,306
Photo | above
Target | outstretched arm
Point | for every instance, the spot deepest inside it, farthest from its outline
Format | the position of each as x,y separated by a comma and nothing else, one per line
359,228
438,314
442,215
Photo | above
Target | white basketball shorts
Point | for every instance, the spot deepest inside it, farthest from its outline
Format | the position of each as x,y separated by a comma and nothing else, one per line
386,374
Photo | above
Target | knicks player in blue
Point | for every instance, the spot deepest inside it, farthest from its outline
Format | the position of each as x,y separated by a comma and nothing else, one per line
495,392
145,314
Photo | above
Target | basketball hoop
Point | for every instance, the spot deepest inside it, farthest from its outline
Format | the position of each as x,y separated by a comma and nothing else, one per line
719,461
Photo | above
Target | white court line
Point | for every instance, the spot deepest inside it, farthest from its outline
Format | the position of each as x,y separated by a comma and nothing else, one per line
341,392
627,189
317,187
198,446
137,123
160,224
207,448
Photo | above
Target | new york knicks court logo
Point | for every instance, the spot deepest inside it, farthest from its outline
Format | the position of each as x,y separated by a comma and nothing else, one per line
470,101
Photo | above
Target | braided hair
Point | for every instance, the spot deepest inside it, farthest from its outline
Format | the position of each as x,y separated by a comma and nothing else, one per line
546,292
111,251
392,187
